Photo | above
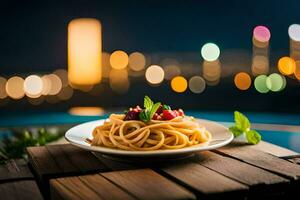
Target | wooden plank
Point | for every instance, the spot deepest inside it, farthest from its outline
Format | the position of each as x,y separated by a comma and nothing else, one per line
295,160
147,184
249,154
25,190
61,160
90,187
256,178
205,181
274,149
15,170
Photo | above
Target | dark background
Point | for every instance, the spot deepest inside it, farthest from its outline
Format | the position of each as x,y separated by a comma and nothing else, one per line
33,38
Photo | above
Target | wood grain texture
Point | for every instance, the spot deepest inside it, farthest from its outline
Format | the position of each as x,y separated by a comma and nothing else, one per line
273,149
147,184
86,187
60,160
203,180
25,190
15,170
238,170
248,154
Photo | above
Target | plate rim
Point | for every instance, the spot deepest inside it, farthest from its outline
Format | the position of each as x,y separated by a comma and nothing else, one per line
112,151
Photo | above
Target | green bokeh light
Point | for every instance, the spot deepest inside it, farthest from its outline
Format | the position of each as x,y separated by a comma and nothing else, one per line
260,84
275,82
210,52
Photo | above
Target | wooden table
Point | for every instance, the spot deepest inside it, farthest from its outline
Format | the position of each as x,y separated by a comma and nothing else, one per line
236,171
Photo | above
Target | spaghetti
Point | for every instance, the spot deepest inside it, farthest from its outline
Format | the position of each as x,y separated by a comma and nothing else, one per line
136,135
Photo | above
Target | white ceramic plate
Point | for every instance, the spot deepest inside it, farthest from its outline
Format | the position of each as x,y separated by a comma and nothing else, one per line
78,134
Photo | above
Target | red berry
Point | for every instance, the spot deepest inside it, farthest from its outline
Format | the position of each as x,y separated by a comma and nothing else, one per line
169,114
180,112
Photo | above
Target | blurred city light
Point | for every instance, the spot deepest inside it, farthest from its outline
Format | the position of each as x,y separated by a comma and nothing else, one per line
118,80
171,71
63,75
212,71
179,84
197,84
286,65
105,64
242,81
86,111
154,74
55,84
275,82
119,60
137,61
260,65
294,32
84,51
65,93
33,86
210,52
3,94
15,87
261,33
260,84
297,71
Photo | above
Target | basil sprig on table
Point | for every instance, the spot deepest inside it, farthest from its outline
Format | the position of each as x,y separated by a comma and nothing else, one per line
243,125
150,109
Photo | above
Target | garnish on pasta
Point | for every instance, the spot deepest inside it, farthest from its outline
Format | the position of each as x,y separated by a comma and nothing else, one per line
154,127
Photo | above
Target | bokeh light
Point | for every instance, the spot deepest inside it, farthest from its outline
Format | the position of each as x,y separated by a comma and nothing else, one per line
210,52
137,61
105,64
46,85
55,84
63,75
275,82
119,60
212,71
286,65
33,86
197,84
154,74
294,32
3,94
65,93
297,70
86,111
260,65
171,71
242,81
179,84
118,80
261,33
260,84
15,87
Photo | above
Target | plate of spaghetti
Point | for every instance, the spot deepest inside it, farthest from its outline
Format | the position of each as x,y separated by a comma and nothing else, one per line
154,130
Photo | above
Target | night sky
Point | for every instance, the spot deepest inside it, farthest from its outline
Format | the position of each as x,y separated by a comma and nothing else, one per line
33,33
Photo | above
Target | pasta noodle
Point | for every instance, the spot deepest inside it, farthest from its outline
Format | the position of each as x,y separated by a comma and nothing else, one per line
136,135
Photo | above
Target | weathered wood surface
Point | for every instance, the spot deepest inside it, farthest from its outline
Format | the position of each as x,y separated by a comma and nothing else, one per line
234,171
15,170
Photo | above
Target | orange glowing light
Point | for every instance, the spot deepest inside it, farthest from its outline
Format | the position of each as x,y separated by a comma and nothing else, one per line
119,60
55,84
242,81
86,111
84,51
3,94
179,84
286,65
297,71
15,87
137,61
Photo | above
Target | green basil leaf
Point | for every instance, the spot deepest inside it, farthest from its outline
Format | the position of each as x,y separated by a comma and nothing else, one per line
241,121
144,116
253,137
148,103
154,109
236,131
166,107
